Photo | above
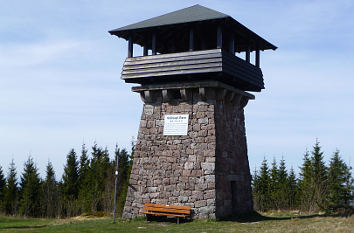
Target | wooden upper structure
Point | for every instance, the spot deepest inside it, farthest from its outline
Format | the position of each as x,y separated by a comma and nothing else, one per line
195,43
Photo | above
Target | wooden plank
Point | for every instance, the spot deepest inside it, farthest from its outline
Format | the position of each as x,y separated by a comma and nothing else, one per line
184,208
158,56
166,214
173,63
241,65
178,72
248,77
168,206
165,210
172,68
177,58
244,69
252,75
162,60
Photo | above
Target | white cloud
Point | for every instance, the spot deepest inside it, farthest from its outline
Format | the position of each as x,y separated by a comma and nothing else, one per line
34,54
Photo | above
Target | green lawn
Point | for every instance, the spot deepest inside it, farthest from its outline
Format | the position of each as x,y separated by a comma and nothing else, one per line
270,222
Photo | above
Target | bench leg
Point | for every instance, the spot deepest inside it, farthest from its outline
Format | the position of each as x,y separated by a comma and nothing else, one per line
177,220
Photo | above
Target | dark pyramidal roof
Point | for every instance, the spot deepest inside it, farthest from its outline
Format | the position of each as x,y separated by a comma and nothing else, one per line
187,15
191,15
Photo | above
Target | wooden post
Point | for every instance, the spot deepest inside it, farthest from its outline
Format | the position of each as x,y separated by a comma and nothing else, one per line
219,38
258,58
248,54
191,40
146,51
232,44
153,46
115,191
130,47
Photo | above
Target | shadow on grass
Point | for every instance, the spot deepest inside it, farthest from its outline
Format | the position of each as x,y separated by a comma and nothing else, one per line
257,217
23,227
155,218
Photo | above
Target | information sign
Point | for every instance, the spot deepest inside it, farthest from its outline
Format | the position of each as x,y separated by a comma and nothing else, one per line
175,125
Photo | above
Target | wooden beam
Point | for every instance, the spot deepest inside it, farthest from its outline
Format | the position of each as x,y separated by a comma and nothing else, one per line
219,37
130,47
153,45
248,54
146,51
191,40
232,44
202,93
258,58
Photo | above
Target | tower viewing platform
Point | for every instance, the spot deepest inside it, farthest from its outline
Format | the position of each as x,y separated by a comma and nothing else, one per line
195,43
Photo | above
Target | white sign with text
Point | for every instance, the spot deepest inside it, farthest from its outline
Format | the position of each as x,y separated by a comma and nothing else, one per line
175,125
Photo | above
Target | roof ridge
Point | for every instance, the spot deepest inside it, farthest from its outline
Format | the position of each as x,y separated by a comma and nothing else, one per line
193,13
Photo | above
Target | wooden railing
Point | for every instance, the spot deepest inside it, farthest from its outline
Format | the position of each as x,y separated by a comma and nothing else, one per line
232,70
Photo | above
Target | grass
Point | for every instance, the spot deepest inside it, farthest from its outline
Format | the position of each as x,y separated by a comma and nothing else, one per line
267,222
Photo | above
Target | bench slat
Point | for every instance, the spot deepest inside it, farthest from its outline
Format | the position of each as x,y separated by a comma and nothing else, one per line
167,210
165,214
168,206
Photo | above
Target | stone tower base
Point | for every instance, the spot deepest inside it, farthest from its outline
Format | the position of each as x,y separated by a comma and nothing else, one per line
208,168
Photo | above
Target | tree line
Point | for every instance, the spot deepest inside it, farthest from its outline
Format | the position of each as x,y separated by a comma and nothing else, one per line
317,188
87,185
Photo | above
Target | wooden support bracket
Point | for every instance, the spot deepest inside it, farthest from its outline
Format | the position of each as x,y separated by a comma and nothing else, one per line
237,99
243,102
165,95
147,96
184,95
202,93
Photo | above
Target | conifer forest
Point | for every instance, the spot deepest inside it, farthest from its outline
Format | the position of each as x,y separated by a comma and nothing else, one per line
87,185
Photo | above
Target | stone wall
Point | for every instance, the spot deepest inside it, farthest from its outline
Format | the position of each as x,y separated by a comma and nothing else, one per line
233,179
196,169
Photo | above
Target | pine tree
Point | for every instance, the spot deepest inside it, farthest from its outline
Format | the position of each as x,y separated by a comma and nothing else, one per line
62,203
11,191
292,188
319,178
70,184
2,188
99,168
305,194
83,181
255,189
84,166
70,176
283,191
274,185
340,188
123,177
50,193
262,189
30,190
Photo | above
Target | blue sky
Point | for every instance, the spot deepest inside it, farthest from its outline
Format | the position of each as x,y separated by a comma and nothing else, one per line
60,77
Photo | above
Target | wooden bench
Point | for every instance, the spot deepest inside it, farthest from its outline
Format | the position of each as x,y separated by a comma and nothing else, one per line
166,210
